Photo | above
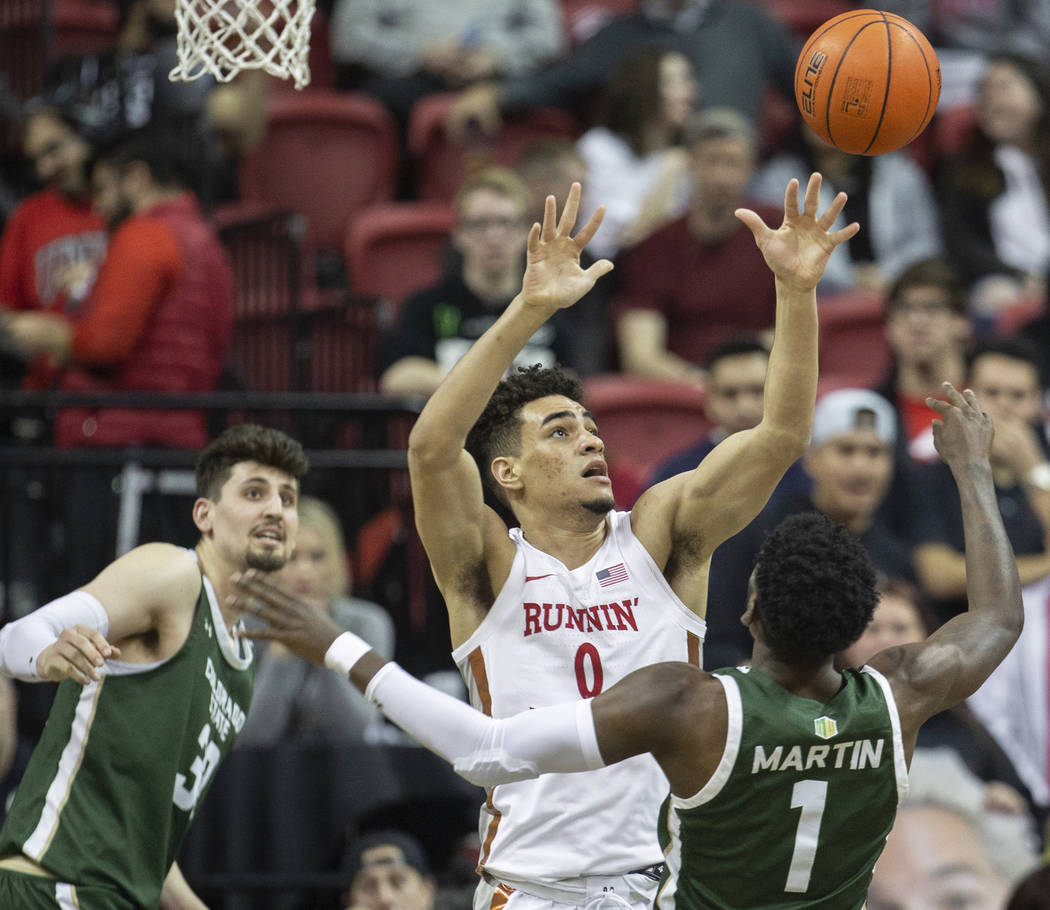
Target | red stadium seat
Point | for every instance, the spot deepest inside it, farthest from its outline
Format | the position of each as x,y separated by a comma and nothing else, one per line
264,248
642,422
327,155
442,164
395,249
853,337
83,26
342,333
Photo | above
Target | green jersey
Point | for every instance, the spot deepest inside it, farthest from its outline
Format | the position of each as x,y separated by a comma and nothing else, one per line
800,805
122,763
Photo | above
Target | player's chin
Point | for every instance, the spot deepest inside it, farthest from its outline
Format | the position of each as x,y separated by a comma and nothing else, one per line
269,560
602,505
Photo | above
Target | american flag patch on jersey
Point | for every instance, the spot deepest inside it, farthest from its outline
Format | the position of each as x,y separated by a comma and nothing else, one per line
611,576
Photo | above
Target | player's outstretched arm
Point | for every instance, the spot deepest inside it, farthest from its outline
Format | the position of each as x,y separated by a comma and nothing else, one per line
732,484
553,280
639,714
956,659
446,487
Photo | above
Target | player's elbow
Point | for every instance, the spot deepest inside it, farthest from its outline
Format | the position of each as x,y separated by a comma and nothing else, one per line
783,442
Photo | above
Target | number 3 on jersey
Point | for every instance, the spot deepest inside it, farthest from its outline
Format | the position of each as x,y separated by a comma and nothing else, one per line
586,655
202,769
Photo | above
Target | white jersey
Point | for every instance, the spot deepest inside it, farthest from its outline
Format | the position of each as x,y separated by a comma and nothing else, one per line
553,636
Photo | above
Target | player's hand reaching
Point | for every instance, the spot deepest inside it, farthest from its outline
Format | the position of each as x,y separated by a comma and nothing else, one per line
963,432
295,623
79,654
554,278
798,250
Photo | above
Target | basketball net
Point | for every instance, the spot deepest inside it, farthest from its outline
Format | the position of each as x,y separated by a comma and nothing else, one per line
224,37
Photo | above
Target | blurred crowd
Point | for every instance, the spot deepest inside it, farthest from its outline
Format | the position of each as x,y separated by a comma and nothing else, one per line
672,114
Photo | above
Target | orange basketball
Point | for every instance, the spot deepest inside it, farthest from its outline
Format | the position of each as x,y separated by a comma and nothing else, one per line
867,82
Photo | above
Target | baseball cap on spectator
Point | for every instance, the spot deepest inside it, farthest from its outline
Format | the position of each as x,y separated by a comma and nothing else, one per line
845,410
408,851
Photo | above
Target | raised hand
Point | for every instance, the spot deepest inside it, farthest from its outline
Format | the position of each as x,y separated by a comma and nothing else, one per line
963,432
798,250
79,654
553,276
295,623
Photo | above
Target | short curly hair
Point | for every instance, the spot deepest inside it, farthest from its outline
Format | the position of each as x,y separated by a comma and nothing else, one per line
498,429
815,588
247,442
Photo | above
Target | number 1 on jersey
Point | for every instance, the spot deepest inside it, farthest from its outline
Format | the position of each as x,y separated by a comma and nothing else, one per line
809,796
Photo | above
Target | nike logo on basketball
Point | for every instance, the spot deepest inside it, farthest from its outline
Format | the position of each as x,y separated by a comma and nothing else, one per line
537,577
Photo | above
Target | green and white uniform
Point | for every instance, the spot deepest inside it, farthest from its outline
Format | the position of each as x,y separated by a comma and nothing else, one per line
800,805
123,763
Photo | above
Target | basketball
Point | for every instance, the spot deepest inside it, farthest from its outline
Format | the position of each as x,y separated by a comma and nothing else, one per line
867,82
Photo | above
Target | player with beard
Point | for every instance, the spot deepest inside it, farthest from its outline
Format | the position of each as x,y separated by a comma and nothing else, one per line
154,687
580,594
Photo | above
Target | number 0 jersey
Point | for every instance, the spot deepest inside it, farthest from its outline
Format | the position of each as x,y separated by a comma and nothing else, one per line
800,805
122,763
555,635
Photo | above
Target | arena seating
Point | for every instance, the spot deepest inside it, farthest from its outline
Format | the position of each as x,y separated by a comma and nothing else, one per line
853,338
441,163
395,249
327,155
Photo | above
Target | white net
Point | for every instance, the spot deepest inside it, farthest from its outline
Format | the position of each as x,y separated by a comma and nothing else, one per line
223,37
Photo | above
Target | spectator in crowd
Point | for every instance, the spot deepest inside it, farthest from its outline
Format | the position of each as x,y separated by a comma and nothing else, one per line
438,324
900,619
159,315
850,461
1033,891
945,849
126,87
736,375
15,748
388,870
53,245
995,192
1014,702
737,51
889,194
699,279
636,165
928,334
293,700
1004,373
549,167
400,50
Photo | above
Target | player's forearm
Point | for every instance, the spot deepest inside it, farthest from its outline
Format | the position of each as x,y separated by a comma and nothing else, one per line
484,750
791,381
992,581
23,641
457,403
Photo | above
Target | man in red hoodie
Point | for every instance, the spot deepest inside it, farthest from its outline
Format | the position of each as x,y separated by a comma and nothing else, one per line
160,314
